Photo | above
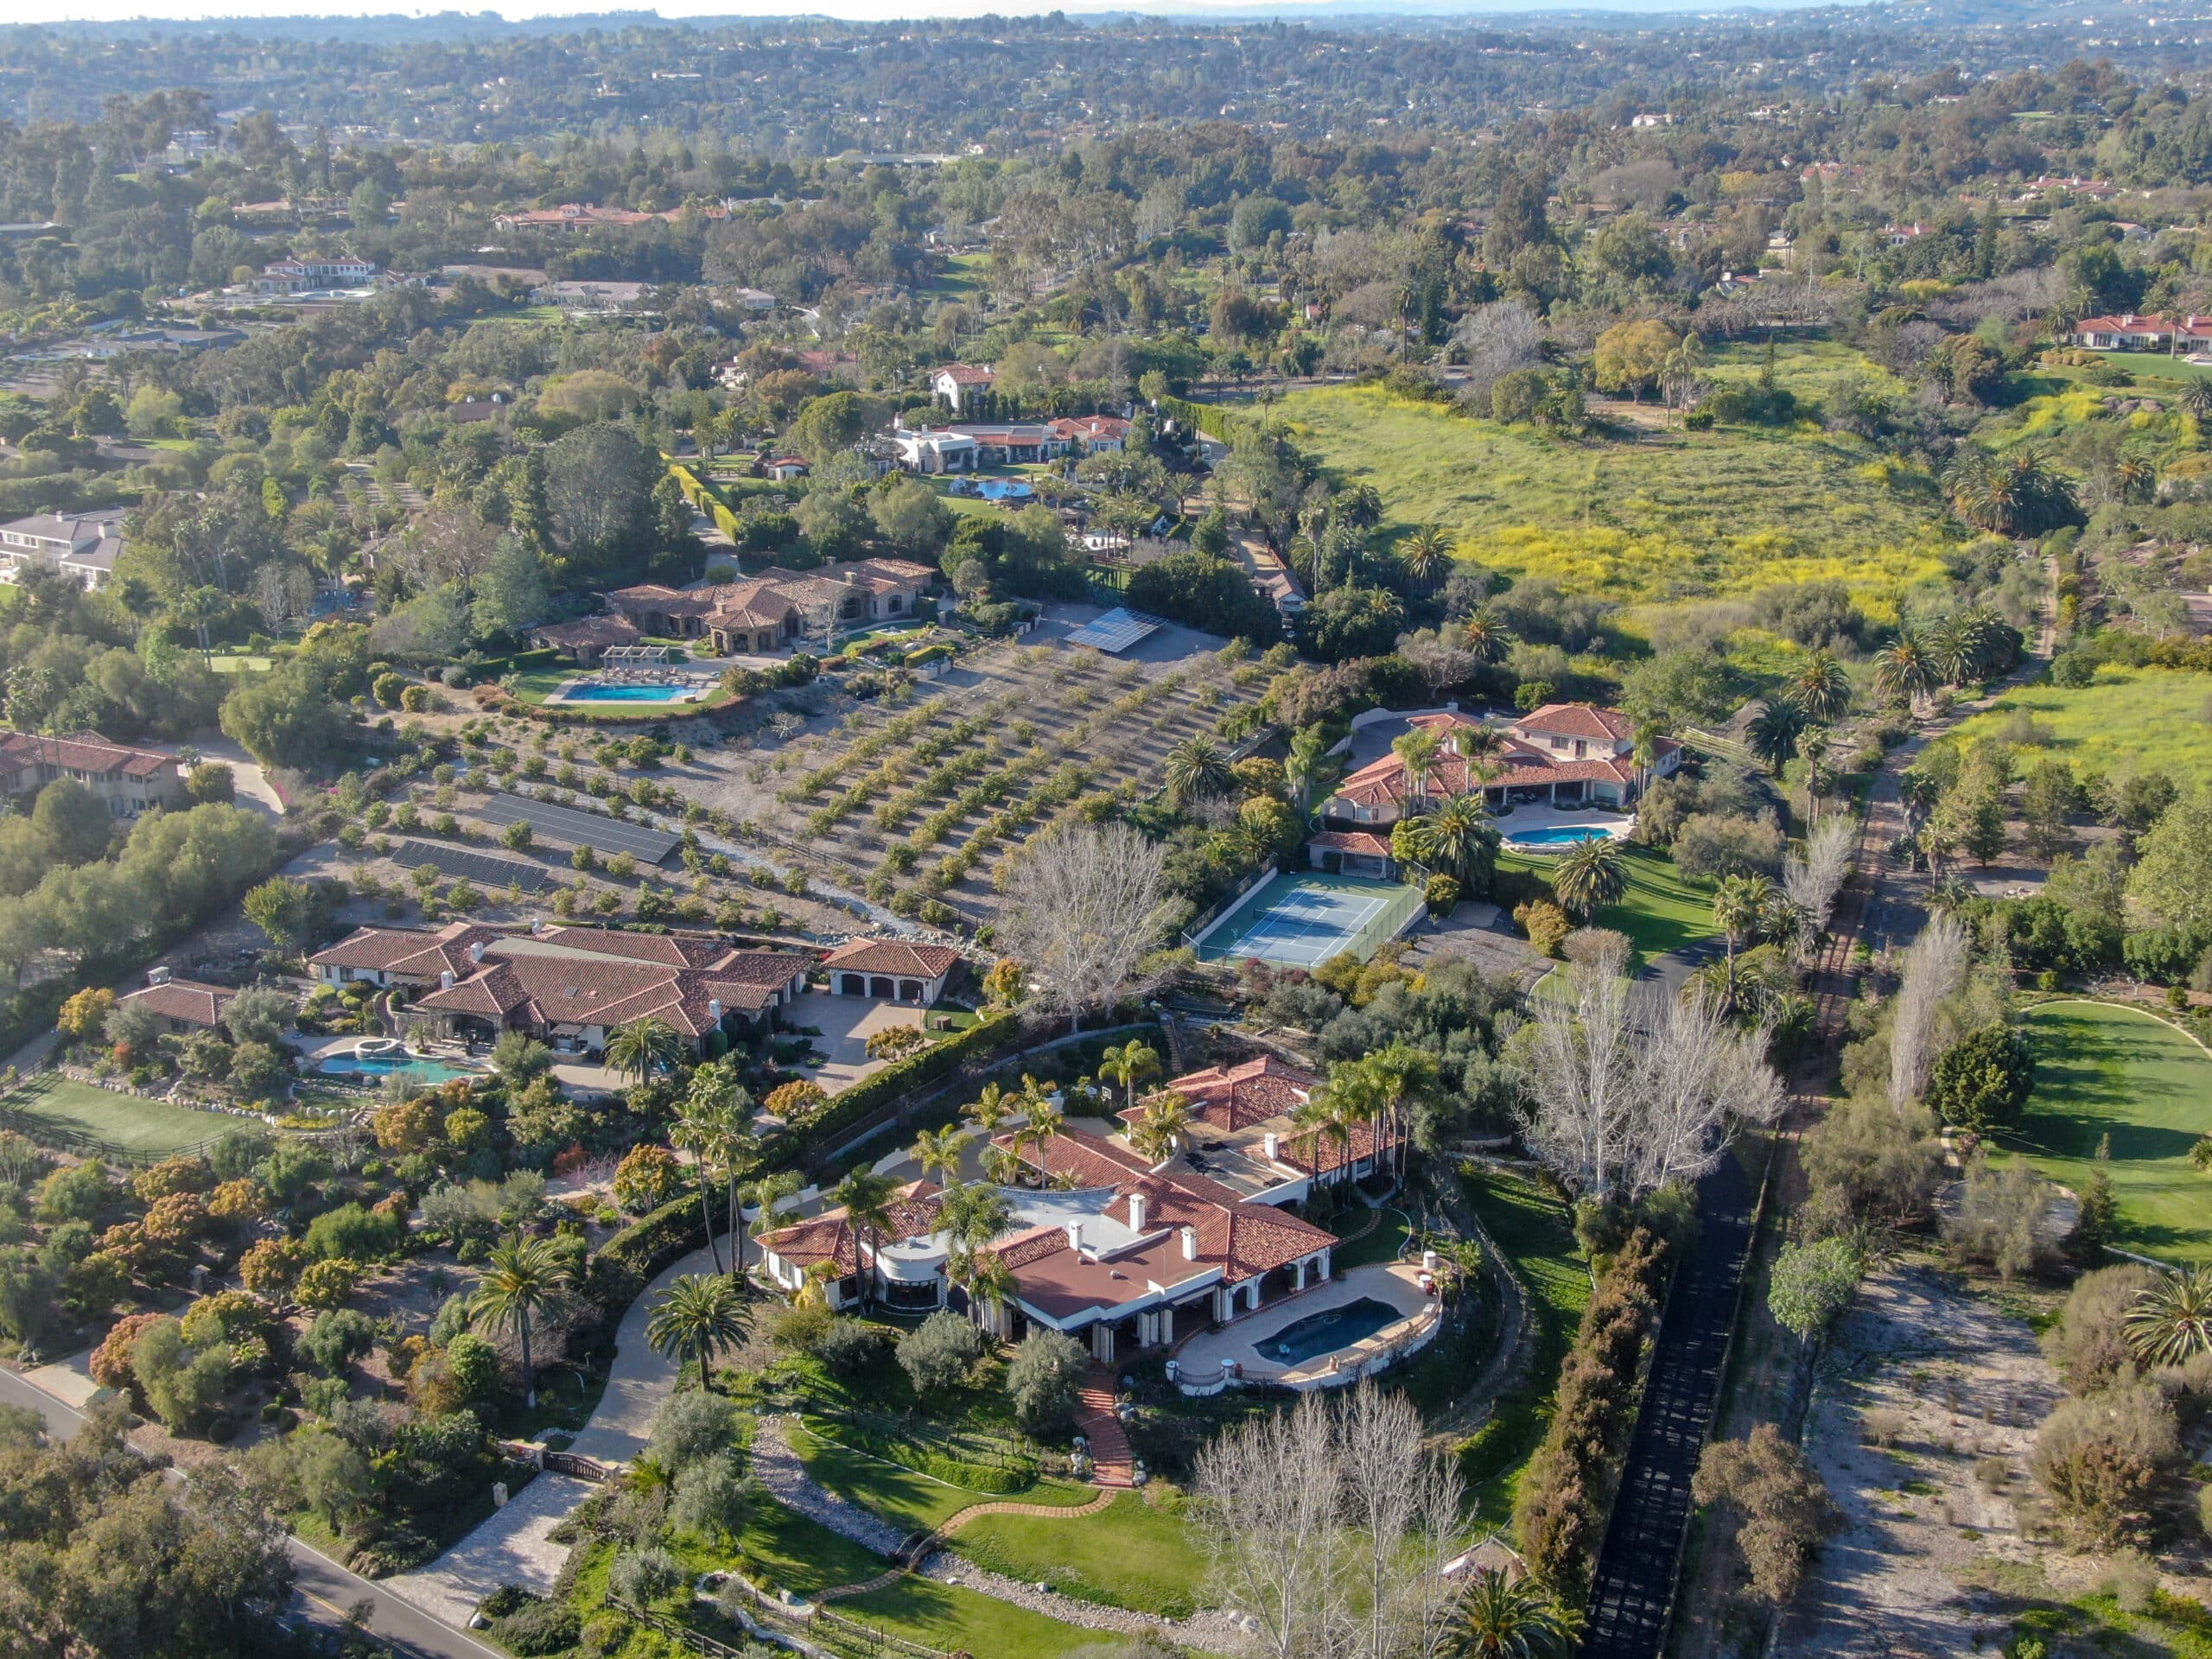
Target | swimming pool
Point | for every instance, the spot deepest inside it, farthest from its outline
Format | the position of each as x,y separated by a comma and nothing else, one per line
1568,835
1003,489
626,694
1322,1333
378,1065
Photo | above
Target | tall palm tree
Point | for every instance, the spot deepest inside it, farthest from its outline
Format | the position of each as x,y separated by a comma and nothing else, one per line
972,1215
988,1282
1902,672
1458,838
1417,752
1167,1120
1643,752
1399,1074
1814,746
523,1277
989,1108
705,1128
715,1088
1487,638
1129,1064
1774,732
1321,1113
1737,903
1820,687
867,1197
2172,1321
1046,1120
1426,557
1479,745
1195,768
1514,1618
696,1314
761,1196
938,1151
1589,875
644,1046
1303,766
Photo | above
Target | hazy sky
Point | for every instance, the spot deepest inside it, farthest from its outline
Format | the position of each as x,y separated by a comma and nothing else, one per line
28,11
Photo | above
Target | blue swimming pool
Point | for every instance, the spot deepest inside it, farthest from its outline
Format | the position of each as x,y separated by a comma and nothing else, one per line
1004,489
1569,837
379,1066
1324,1333
624,694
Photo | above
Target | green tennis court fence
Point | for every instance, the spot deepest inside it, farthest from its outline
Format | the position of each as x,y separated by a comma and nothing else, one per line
1406,907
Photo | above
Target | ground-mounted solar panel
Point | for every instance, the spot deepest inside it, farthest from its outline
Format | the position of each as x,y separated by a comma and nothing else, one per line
480,867
1115,631
570,828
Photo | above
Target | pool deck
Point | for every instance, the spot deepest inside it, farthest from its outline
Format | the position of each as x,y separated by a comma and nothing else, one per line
1526,820
577,692
1397,1283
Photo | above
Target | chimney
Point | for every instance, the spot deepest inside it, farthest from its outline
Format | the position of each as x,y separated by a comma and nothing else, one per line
1190,1243
1271,1143
476,951
445,979
1136,1212
852,578
715,1009
1075,1234
157,976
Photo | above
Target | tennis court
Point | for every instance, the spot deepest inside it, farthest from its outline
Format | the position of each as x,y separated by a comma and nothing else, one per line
570,828
1301,920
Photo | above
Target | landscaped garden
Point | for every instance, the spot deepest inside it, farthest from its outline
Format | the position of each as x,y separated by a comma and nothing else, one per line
2104,1071
1660,909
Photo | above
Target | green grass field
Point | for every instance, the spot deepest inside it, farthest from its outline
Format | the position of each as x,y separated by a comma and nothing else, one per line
2102,1070
2154,717
1675,516
900,1494
1134,1554
1662,910
150,1127
1536,1234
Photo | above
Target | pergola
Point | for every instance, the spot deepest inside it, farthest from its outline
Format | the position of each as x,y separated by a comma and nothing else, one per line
635,663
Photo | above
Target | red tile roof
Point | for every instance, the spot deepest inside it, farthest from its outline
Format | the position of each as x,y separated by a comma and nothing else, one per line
1351,841
895,956
185,1000
830,1237
1580,720
85,752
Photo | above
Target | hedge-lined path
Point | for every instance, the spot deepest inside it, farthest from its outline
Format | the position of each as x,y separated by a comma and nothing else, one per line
513,1545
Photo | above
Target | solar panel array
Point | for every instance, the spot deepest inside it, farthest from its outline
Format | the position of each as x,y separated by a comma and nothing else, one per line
1115,632
570,828
480,867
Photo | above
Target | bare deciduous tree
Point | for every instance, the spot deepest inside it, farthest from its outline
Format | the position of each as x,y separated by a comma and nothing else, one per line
1814,879
1330,1528
1934,968
1087,908
1493,341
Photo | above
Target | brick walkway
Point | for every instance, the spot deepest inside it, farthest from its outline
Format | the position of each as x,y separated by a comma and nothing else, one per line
1102,1430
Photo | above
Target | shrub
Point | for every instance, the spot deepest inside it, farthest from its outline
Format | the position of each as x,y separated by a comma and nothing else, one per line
539,1628
1981,1082
1443,894
2088,1344
2102,1459
1043,1380
649,1177
337,1338
1545,924
1811,1284
712,1501
326,1284
642,1577
691,1428
1770,1507
937,1354
849,1347
110,1361
354,1233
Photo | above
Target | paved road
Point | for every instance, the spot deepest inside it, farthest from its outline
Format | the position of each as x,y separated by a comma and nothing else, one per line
1635,1568
323,1590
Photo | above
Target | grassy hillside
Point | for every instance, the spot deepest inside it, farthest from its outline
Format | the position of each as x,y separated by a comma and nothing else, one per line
1673,515
2155,718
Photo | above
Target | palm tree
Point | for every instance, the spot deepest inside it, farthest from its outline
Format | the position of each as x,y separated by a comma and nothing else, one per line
2196,402
1129,1064
972,1215
1774,732
989,1108
938,1151
706,1130
2172,1322
1417,752
1514,1618
1644,752
1426,557
696,1314
1458,838
1045,1120
522,1278
867,1197
1487,638
1738,902
1166,1119
1814,746
1322,1114
761,1197
1589,875
1396,1075
1820,687
1196,768
987,1280
1479,745
644,1046
2018,495
1302,767
1002,1165
1902,672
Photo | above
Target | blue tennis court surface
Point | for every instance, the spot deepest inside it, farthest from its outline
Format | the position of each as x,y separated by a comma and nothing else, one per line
1301,920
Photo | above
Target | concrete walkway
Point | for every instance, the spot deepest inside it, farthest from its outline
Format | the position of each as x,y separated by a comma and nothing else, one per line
515,1545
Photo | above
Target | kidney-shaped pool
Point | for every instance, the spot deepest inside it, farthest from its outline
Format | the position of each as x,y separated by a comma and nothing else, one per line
1324,1333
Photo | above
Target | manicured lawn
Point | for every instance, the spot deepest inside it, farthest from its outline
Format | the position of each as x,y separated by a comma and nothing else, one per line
901,1494
140,1126
2153,716
1678,515
1134,1554
239,663
1536,1234
2157,366
1663,909
1382,1243
2102,1070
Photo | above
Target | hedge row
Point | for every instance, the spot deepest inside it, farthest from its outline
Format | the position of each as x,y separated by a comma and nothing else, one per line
1565,1494
871,1094
655,1241
1210,418
703,496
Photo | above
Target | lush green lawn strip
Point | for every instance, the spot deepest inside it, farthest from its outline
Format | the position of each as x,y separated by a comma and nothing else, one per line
2102,1070
1662,910
154,1127
1382,1242
1133,1554
905,1495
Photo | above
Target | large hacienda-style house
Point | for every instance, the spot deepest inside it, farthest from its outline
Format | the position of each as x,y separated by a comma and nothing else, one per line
569,986
777,608
1107,1245
1563,754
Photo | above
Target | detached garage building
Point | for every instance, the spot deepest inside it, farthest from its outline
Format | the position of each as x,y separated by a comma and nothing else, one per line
890,970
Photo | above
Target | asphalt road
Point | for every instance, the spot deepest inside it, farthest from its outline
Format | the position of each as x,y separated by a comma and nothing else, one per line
322,1591
1635,1577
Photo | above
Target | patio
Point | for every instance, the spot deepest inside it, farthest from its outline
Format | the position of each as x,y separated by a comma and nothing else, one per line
1397,1284
1529,824
846,1023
